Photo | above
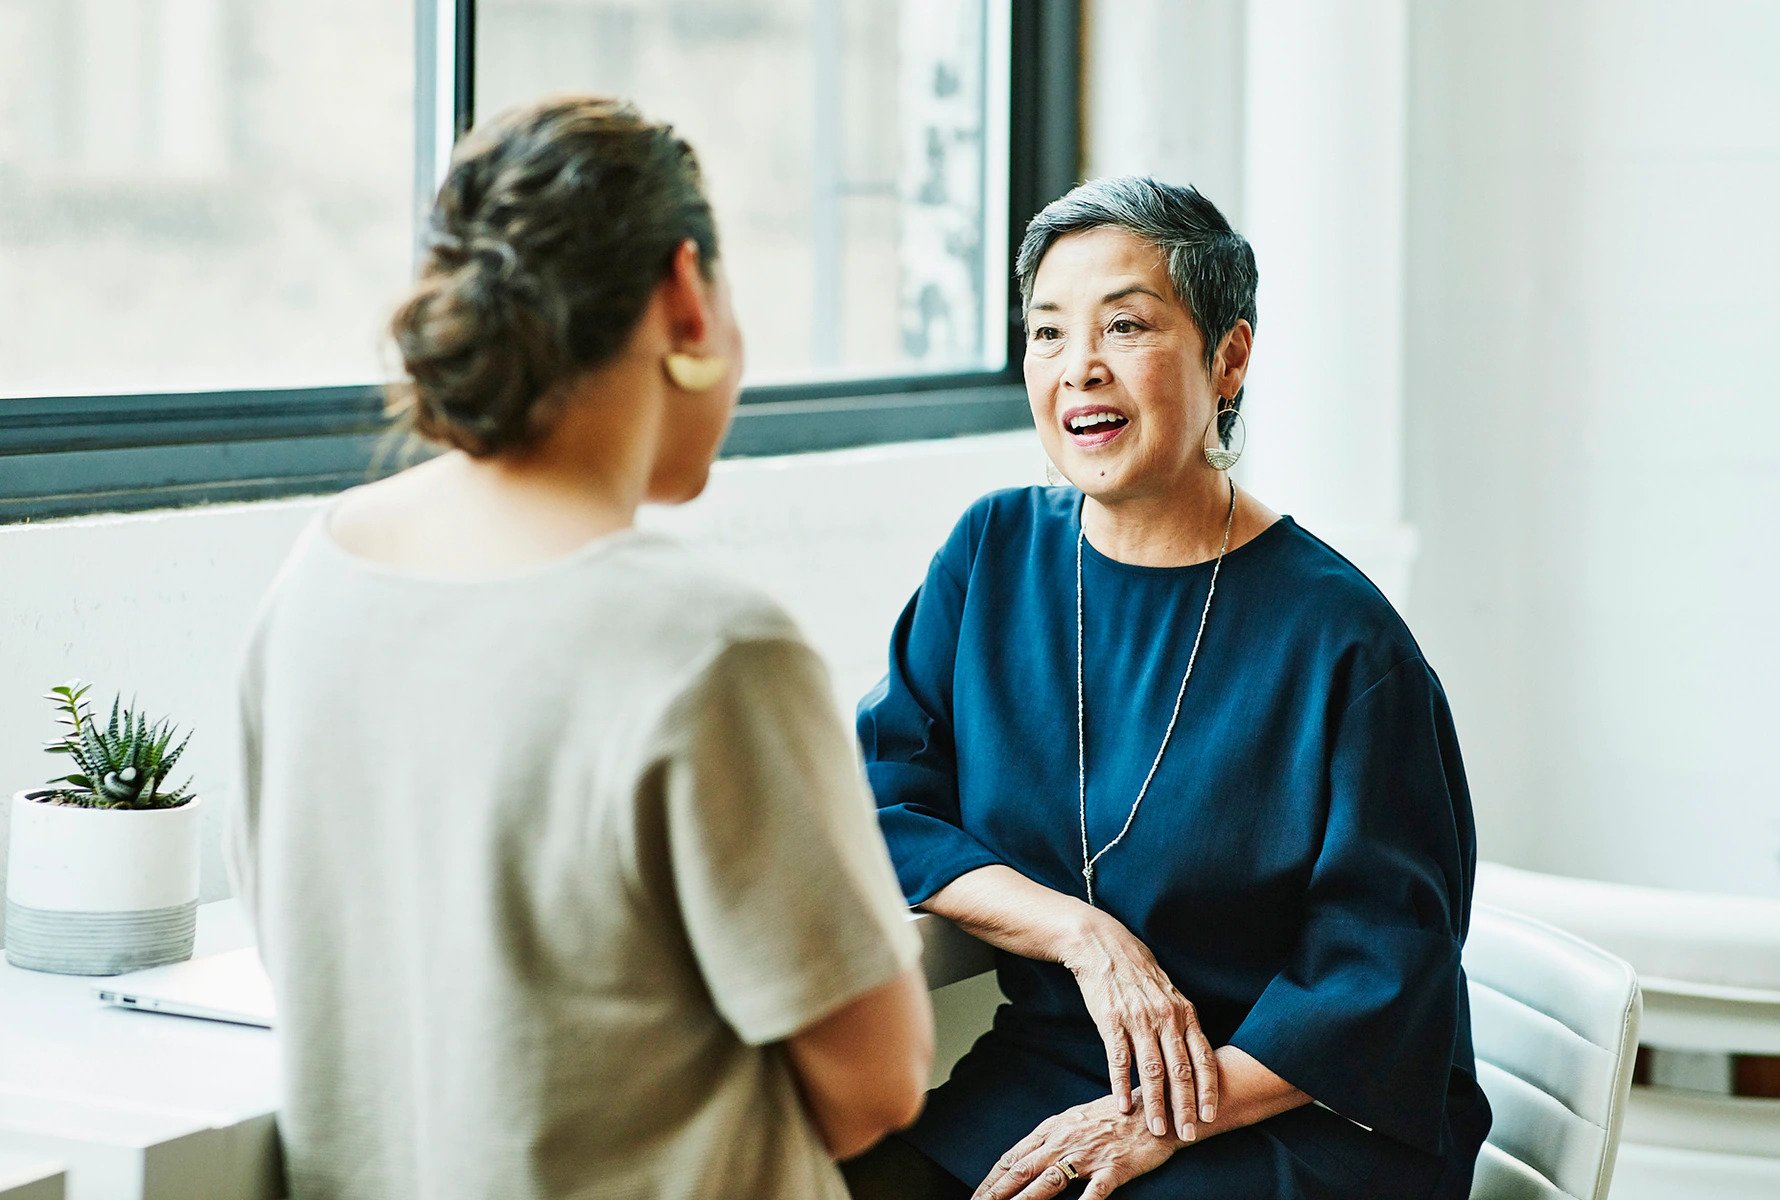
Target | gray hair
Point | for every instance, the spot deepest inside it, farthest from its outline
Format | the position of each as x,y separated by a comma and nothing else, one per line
1211,266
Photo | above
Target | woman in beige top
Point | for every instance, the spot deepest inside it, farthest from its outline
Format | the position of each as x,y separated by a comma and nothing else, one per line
560,859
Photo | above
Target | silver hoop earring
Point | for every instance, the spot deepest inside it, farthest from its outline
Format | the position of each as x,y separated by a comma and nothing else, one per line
1053,477
1219,456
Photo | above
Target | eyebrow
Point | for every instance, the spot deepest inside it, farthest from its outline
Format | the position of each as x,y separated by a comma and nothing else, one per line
1109,298
1134,289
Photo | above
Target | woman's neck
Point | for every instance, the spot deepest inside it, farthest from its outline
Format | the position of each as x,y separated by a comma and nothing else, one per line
462,517
1172,529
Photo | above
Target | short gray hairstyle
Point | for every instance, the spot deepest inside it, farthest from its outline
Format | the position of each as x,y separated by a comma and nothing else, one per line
1211,266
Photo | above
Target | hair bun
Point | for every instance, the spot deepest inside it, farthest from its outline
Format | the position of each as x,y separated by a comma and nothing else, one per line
553,227
478,351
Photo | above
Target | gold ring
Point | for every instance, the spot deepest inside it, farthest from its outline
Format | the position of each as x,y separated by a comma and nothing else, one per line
1068,1169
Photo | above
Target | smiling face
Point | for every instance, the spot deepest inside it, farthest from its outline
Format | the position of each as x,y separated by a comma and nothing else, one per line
1115,368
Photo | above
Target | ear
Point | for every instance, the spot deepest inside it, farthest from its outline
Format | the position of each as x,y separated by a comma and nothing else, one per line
686,297
1230,366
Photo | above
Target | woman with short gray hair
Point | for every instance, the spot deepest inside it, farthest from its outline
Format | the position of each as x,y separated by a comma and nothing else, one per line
1188,772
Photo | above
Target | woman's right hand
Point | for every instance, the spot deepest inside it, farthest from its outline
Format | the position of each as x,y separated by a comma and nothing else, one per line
1142,1019
1145,1022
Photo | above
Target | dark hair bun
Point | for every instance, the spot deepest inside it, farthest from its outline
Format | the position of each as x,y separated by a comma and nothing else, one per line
554,225
479,355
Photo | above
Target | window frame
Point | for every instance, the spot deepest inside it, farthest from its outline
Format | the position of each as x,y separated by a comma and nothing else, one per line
63,456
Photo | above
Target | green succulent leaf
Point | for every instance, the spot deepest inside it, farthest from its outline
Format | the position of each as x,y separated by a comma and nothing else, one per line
152,754
95,755
167,763
173,799
123,763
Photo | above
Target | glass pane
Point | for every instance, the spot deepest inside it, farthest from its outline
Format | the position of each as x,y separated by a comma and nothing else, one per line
202,194
848,145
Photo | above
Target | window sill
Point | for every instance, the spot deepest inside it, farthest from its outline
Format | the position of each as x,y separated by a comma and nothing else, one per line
75,457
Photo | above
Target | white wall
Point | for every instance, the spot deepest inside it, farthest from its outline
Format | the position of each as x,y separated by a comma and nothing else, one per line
1584,465
1289,117
159,604
1593,427
1163,93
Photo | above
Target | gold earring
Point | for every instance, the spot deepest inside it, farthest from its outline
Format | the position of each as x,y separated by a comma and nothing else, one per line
695,372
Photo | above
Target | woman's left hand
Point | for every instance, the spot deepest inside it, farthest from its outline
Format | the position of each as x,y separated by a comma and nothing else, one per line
1103,1146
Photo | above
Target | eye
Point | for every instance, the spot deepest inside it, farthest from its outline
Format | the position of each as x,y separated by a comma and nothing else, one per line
1124,325
1046,333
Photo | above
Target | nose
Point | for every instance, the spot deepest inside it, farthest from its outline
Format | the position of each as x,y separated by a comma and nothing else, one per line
1084,369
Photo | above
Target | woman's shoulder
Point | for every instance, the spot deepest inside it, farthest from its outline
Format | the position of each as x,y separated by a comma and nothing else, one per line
636,578
659,619
639,597
1035,505
688,597
1334,607
1006,516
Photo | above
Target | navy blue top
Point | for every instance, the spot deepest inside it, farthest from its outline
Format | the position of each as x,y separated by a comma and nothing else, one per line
1301,866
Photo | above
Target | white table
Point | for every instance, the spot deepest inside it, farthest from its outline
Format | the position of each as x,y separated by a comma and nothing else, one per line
143,1106
136,1105
23,1177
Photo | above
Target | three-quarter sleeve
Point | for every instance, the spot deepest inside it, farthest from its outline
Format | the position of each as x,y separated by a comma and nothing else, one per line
776,866
905,734
1365,1016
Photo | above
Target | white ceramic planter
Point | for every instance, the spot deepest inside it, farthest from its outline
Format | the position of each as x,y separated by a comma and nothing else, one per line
100,891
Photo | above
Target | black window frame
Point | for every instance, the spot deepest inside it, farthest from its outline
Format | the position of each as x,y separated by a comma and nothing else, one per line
64,456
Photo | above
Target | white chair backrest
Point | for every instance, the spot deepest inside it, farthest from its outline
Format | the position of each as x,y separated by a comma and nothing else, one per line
1554,1021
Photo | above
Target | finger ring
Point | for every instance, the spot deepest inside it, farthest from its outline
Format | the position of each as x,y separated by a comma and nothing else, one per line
1068,1168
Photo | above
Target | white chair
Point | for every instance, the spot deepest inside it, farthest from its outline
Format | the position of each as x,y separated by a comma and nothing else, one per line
1554,1021
1709,968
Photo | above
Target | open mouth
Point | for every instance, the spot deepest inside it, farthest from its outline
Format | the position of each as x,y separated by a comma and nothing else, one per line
1094,426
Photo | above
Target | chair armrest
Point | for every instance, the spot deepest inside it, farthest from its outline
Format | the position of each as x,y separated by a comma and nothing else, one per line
948,954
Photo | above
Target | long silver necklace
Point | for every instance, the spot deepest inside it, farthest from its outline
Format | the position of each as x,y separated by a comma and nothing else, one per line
1081,708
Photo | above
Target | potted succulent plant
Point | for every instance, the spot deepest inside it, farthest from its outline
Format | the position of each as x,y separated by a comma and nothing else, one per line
102,870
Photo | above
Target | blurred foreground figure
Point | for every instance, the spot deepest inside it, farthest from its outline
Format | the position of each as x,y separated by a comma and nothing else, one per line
559,854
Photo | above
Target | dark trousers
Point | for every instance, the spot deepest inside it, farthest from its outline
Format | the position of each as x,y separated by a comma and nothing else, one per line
895,1170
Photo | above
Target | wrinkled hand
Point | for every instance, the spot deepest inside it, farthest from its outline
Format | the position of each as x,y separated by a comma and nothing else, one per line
1104,1146
1144,1021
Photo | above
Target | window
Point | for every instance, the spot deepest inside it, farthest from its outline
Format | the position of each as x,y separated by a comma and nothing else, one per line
201,195
207,211
850,147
